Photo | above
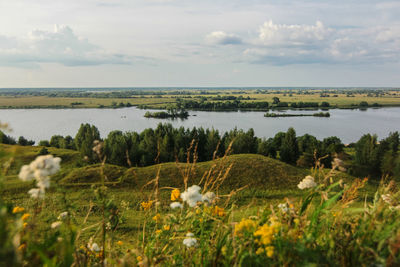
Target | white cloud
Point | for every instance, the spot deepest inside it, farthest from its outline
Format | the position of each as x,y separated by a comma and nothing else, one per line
281,44
58,46
292,35
223,38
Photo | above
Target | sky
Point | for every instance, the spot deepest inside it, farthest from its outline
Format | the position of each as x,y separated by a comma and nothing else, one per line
199,43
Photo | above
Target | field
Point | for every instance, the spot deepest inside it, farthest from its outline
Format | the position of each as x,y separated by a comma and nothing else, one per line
122,216
156,100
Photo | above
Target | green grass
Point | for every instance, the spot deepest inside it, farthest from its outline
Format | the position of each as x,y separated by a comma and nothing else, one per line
391,99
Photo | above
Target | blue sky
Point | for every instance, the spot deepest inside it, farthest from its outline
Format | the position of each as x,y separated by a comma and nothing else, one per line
134,43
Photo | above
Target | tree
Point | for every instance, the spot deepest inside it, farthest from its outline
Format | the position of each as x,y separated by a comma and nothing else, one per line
275,100
116,148
84,139
289,151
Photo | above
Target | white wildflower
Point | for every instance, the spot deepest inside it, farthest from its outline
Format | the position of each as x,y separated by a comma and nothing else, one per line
40,169
190,241
175,205
283,207
26,174
56,225
208,197
307,182
35,193
94,247
192,195
63,215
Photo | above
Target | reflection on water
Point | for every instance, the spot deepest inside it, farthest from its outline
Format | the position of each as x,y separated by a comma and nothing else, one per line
349,125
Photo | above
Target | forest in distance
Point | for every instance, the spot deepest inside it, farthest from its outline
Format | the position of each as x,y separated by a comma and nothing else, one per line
367,156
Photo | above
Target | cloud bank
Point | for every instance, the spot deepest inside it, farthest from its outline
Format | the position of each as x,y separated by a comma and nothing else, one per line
58,46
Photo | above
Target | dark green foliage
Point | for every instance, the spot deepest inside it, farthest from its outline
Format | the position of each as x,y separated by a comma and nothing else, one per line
5,139
43,151
289,151
22,141
84,139
44,143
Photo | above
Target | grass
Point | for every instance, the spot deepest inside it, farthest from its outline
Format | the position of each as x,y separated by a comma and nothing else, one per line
269,182
392,98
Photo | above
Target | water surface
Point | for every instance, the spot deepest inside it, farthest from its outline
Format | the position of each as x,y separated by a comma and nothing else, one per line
348,125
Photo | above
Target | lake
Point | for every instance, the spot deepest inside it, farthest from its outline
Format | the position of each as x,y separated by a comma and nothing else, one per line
348,125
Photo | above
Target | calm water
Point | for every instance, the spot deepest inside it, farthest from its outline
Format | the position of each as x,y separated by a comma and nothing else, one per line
349,125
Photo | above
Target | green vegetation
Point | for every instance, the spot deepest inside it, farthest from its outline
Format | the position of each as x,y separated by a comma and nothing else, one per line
201,99
171,113
106,213
276,115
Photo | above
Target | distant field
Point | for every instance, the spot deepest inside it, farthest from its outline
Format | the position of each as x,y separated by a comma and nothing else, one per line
389,98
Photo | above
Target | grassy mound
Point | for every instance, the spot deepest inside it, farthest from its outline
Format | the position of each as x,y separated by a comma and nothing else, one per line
246,169
92,174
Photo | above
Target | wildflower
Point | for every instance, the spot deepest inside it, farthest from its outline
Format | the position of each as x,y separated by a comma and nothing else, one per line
270,251
147,205
208,197
266,233
260,251
166,227
175,205
25,225
283,207
94,247
158,231
25,216
63,215
56,225
157,218
296,221
244,226
219,211
190,241
35,193
192,195
120,243
175,194
22,247
40,169
18,209
307,182
139,258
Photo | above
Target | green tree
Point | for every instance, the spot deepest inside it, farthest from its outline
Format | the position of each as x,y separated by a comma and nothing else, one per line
116,148
84,139
289,151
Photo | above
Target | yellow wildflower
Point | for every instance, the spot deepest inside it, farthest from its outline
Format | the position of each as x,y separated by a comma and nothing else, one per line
219,211
166,227
296,221
198,211
260,251
147,205
270,251
25,216
25,225
158,231
139,258
120,243
157,218
22,247
245,225
175,195
18,209
266,233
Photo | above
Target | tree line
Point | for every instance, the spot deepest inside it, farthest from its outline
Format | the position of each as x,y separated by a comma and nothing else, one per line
167,144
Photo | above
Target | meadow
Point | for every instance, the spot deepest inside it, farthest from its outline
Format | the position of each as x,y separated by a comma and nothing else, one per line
242,210
162,99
